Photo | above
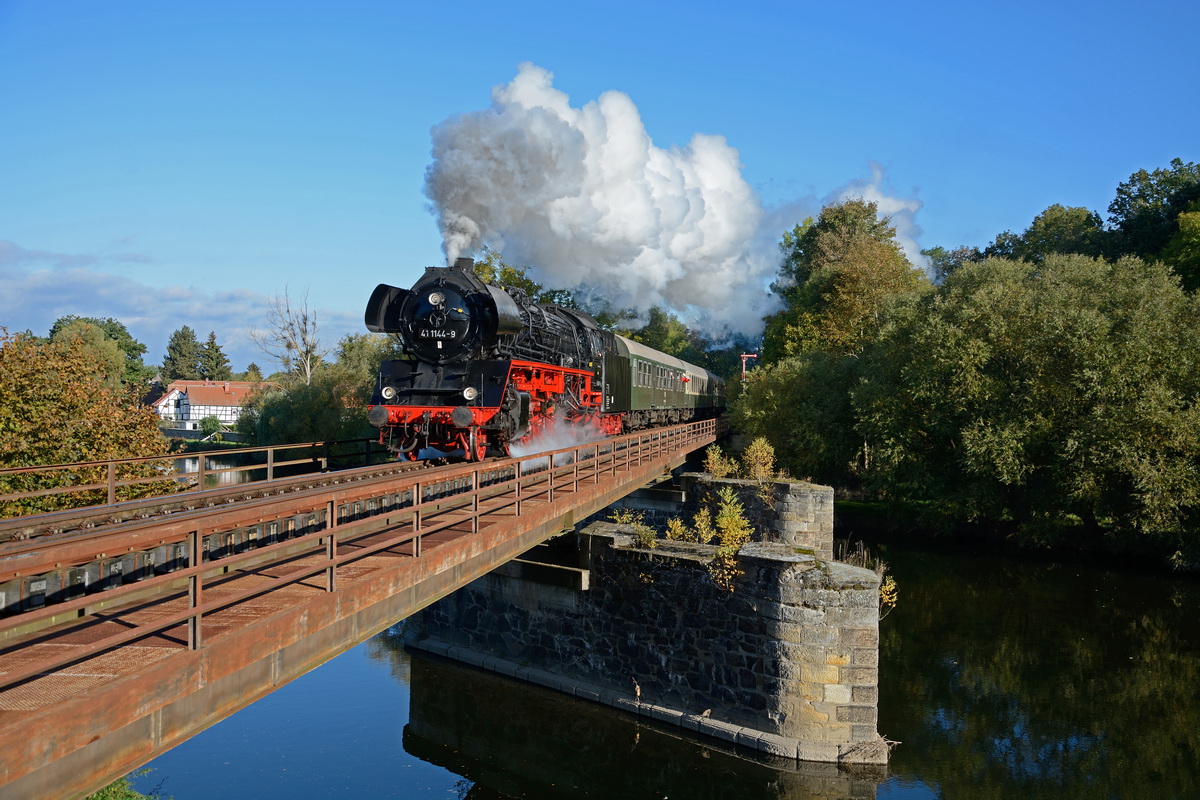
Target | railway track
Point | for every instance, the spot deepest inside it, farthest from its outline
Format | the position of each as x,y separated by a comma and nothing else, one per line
62,556
76,520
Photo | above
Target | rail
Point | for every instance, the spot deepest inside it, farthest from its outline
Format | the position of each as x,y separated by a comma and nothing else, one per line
334,527
91,484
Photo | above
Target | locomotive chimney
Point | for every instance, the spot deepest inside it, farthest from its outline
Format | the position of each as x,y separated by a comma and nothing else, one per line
465,264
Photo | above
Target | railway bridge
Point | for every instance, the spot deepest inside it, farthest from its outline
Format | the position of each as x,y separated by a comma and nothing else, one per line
159,618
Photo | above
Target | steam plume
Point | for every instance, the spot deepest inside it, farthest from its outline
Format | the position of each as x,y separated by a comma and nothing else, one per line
584,198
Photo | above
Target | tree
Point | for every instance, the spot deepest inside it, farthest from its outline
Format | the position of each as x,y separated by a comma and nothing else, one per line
182,362
1144,214
1182,252
323,409
210,425
491,268
1051,396
56,408
329,406
946,261
211,362
134,371
837,275
291,337
1058,229
105,352
253,373
359,356
801,406
666,332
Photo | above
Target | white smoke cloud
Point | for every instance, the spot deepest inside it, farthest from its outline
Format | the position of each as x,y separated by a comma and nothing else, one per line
583,197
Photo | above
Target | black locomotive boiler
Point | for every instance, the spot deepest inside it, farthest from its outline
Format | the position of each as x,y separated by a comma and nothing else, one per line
490,368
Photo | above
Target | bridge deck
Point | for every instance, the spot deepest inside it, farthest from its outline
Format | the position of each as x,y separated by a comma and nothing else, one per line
96,686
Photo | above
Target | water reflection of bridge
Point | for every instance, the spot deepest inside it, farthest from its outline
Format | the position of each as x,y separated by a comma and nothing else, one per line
272,586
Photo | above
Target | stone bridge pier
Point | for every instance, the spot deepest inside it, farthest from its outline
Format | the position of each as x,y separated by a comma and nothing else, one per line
786,663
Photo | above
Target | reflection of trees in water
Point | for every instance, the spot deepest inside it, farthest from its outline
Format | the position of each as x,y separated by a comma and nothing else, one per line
388,648
1007,678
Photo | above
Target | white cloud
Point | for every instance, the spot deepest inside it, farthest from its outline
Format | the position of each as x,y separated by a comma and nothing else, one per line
35,296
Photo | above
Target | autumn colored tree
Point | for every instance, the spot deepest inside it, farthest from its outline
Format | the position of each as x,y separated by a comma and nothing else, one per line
55,408
838,273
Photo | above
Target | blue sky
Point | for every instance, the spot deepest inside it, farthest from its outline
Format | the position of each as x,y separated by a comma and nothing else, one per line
171,163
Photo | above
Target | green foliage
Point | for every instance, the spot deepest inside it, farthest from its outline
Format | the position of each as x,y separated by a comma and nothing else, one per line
331,405
1053,395
253,374
1058,229
56,408
211,362
1182,252
182,361
733,531
717,464
801,406
645,536
759,460
492,269
109,360
1145,211
946,261
836,279
134,372
210,425
122,789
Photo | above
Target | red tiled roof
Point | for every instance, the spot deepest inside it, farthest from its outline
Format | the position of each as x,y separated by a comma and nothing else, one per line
214,393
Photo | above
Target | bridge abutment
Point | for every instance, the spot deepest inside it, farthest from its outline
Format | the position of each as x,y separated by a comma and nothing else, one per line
786,663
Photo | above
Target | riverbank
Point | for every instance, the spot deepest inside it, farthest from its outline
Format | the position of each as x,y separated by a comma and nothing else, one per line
893,523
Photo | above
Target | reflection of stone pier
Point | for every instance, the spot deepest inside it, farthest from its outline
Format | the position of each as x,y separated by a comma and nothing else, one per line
524,741
785,664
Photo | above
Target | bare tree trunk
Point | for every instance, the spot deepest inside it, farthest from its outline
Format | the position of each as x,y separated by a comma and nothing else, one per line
290,337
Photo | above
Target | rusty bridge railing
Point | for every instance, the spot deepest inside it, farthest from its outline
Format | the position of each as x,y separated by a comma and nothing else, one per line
317,532
56,487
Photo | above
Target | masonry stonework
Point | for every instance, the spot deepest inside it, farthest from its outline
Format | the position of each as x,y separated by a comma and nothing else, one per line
786,663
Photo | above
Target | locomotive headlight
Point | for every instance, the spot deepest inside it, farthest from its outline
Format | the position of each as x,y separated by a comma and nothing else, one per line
470,393
436,298
388,392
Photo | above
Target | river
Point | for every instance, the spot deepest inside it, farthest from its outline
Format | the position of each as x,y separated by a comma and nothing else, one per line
999,678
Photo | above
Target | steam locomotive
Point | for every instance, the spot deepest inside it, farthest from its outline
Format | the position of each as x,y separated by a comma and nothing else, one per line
490,370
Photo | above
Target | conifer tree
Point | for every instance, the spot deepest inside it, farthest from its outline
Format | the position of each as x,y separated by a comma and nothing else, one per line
183,356
212,363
